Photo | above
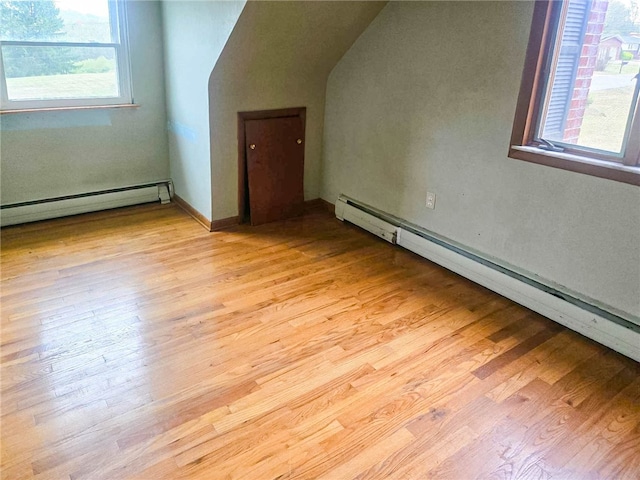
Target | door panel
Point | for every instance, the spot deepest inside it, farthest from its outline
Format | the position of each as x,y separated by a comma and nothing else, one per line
275,168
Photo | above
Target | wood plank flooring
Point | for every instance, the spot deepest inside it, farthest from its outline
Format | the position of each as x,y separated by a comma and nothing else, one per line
136,345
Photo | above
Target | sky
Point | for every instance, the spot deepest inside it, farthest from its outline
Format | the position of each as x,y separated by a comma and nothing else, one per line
93,7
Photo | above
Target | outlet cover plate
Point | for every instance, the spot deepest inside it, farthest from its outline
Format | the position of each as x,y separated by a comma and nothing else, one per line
431,200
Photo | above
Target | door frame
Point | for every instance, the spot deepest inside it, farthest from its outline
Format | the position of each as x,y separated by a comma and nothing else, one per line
242,154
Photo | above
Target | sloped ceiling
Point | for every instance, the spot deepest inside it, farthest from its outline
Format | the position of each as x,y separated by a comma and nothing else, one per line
299,37
279,55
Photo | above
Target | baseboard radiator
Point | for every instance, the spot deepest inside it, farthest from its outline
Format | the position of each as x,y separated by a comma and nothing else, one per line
16,213
617,333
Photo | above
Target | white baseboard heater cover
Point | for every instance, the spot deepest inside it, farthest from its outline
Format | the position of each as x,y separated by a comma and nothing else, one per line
620,335
45,209
371,223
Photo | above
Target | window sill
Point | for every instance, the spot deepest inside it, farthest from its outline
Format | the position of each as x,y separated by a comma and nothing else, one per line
66,109
576,163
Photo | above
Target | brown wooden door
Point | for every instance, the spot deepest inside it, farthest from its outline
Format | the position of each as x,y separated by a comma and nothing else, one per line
275,168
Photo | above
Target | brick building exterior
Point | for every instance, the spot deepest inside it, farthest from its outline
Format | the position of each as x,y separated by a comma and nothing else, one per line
586,68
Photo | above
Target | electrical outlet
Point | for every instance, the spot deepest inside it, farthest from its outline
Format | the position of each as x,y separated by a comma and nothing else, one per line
431,200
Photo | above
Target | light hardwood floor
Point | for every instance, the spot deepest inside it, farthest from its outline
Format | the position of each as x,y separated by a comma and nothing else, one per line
137,345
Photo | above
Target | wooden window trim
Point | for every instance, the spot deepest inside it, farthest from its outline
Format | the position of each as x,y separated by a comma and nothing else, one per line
66,109
530,101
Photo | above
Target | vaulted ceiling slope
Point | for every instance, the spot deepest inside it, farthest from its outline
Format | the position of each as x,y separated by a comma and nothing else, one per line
279,55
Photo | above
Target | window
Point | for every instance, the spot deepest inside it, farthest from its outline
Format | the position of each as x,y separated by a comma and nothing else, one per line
63,53
578,103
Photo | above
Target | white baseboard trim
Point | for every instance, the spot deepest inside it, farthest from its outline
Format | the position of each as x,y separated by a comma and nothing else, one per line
615,336
593,322
366,221
83,203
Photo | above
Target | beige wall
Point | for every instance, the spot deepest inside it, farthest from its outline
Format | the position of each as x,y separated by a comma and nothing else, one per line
424,100
195,32
50,154
279,55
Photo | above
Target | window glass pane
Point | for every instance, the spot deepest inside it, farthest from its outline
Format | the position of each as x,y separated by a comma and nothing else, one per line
608,108
45,73
589,98
59,20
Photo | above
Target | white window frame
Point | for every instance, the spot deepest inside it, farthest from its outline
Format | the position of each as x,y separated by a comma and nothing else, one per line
119,30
